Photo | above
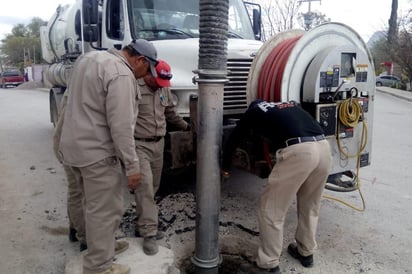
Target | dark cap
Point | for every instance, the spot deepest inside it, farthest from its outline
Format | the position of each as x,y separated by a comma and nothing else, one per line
145,48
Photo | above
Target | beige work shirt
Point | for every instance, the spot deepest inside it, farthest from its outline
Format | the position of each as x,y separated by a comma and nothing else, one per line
101,111
155,108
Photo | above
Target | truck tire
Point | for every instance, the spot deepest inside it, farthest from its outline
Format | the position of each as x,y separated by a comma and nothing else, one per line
54,114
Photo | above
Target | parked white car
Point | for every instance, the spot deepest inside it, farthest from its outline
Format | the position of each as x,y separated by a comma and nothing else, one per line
387,80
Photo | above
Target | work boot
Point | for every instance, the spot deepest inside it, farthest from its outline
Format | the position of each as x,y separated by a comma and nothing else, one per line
150,245
114,269
119,247
306,261
159,235
72,235
83,246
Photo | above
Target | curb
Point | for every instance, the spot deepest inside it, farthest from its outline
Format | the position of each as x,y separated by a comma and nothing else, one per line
398,94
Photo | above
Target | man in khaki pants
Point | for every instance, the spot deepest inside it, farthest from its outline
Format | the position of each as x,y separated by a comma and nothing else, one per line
97,133
74,193
303,162
155,108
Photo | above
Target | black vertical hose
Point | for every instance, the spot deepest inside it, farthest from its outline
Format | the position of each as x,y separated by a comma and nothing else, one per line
213,27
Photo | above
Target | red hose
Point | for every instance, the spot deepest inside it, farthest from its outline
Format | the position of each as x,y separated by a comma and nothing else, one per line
270,78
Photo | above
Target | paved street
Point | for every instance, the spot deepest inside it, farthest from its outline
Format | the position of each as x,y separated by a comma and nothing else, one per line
34,220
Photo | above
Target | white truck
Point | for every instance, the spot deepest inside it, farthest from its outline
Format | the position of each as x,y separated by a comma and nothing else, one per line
173,27
321,69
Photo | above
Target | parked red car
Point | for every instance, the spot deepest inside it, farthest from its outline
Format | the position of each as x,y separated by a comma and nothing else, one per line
11,78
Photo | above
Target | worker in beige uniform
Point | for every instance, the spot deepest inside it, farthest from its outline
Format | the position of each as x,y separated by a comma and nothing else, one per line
303,162
155,109
74,193
97,134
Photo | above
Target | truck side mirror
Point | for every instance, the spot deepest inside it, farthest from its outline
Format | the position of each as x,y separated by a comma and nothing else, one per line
257,23
90,12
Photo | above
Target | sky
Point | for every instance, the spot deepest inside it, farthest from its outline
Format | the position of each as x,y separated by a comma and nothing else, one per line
13,12
364,16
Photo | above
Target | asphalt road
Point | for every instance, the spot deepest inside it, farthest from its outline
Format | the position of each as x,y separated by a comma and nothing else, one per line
32,186
33,192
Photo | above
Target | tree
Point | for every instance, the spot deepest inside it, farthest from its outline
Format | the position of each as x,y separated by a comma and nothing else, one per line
278,16
403,53
393,23
401,48
379,51
396,45
317,17
22,46
282,15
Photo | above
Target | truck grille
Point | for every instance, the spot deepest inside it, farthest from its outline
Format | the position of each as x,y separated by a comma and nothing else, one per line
235,95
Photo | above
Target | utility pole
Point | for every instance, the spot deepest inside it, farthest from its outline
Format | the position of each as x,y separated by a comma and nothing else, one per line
308,17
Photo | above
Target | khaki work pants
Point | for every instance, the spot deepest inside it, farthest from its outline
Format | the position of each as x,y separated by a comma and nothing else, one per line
300,170
101,184
75,204
151,163
74,193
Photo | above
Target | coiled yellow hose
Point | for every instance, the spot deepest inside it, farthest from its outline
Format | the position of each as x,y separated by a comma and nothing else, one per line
350,112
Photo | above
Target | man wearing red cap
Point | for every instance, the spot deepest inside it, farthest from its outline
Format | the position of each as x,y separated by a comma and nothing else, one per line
155,109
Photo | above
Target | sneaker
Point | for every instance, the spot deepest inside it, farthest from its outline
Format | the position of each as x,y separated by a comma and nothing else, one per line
159,235
114,269
150,245
255,269
306,261
72,235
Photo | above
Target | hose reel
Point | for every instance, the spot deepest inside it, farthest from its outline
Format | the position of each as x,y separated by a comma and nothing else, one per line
309,67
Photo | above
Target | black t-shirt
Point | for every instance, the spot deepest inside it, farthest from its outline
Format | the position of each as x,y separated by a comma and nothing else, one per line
276,122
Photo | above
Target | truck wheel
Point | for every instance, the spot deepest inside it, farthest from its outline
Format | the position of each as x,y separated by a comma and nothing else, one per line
54,115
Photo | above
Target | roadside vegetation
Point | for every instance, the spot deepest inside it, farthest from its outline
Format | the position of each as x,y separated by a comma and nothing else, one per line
21,47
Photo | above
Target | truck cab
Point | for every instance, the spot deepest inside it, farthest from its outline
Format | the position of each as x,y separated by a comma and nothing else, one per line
173,28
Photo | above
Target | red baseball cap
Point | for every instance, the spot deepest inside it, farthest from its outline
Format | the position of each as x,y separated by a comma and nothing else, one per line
164,73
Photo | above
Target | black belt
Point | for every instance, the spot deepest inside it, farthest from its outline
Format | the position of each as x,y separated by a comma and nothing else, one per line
298,140
151,139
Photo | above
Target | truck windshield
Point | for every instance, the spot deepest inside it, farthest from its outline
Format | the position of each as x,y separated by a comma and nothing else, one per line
179,19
